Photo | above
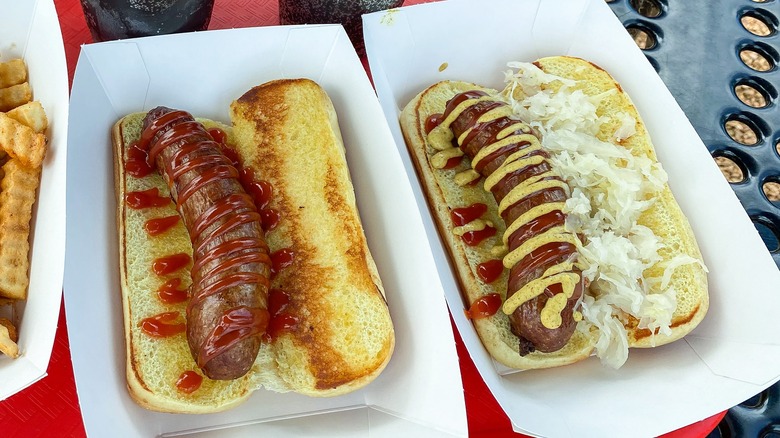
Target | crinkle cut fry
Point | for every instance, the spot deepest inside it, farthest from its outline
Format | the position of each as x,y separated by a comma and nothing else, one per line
17,196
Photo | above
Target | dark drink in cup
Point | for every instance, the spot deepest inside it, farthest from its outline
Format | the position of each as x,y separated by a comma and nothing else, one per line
118,19
346,12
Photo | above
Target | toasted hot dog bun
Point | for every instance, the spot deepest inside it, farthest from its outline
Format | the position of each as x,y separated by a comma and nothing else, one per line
443,194
344,336
664,217
288,132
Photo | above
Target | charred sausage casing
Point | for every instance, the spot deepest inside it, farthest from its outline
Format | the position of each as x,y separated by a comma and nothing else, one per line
227,312
544,284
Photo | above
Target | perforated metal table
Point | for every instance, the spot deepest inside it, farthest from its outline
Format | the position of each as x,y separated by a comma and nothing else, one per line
720,61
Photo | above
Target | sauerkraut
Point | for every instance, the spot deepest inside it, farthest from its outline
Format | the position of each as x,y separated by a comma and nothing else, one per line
610,190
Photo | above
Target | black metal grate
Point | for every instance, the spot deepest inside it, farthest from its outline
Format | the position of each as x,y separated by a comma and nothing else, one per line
757,417
703,50
697,48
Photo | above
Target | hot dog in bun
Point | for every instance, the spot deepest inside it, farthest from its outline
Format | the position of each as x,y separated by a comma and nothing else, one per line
561,229
243,260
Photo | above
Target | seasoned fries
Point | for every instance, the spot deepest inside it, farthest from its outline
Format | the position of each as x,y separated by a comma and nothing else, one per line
17,196
30,114
13,72
8,338
22,150
22,142
15,95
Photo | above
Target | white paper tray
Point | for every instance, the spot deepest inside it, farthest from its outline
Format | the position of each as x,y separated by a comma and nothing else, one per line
733,354
202,73
31,30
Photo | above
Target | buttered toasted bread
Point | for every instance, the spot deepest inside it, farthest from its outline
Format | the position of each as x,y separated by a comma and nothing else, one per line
288,132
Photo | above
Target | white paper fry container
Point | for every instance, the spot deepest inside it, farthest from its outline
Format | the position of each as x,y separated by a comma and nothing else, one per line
31,30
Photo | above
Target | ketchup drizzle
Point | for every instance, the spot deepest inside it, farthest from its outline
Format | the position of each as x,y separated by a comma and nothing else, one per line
229,206
160,225
169,292
545,255
463,215
460,98
261,191
281,321
219,136
537,226
229,152
204,155
163,325
146,199
453,162
490,270
234,253
270,218
474,238
170,264
136,164
432,122
234,325
484,307
189,382
281,259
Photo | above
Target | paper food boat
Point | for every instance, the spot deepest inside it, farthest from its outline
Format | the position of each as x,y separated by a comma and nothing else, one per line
733,354
420,391
31,30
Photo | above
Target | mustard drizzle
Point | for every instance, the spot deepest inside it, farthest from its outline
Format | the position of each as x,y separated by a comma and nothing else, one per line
440,139
475,225
466,177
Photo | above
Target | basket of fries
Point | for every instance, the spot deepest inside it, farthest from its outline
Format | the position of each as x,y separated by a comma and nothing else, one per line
23,142
33,134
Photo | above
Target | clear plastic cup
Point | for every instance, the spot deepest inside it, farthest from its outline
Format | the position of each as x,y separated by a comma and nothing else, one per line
120,19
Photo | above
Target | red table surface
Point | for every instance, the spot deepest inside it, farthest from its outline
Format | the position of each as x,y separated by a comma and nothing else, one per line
50,407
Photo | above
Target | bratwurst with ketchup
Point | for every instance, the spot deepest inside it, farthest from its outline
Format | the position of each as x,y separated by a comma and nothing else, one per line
228,306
